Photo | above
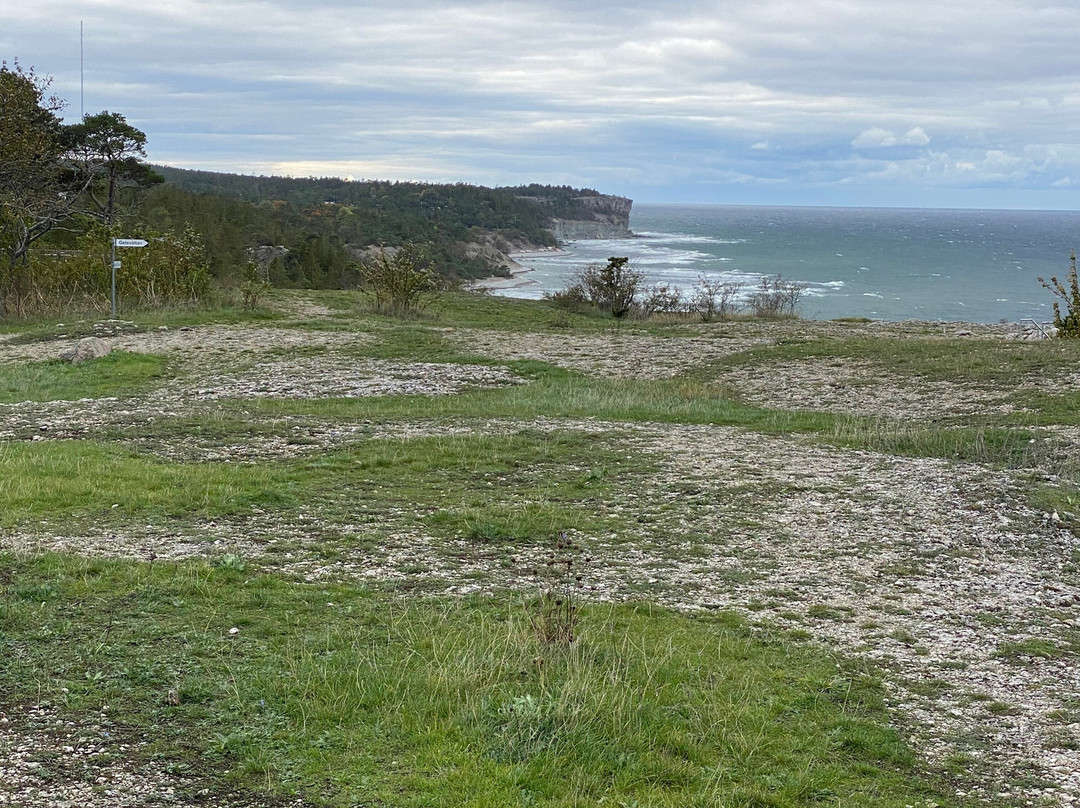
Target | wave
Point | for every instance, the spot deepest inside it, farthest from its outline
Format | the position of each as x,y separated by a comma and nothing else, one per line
687,238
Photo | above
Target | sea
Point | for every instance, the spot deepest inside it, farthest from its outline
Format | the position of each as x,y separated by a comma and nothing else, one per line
880,263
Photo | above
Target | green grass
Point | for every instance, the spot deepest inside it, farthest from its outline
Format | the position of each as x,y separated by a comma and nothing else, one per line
520,487
999,362
82,479
119,373
557,393
352,697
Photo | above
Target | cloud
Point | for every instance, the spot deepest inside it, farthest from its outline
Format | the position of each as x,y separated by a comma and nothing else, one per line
877,138
592,93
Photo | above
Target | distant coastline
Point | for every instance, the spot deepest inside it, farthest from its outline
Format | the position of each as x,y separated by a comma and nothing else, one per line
879,263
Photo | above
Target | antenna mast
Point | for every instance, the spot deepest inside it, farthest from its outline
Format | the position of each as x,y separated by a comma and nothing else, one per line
82,83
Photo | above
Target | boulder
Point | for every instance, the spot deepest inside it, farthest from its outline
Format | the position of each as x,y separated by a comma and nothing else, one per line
87,348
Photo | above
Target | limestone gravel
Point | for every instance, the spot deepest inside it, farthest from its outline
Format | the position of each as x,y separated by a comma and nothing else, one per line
940,572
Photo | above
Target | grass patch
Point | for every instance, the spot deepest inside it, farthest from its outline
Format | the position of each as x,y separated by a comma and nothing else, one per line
998,446
82,479
997,362
350,697
119,373
489,487
1034,648
558,393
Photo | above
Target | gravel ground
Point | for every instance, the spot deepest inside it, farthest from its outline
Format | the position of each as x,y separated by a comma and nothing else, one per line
936,571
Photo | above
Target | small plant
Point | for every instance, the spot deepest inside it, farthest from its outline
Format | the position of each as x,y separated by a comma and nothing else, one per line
1068,327
253,287
401,283
555,613
661,299
232,562
776,297
715,299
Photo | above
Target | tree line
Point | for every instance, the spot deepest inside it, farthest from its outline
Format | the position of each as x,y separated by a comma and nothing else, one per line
67,189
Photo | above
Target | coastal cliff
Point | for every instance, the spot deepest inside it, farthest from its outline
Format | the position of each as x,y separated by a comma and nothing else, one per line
604,217
583,214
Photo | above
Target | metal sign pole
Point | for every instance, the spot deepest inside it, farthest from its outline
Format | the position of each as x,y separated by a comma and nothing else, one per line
113,279
121,242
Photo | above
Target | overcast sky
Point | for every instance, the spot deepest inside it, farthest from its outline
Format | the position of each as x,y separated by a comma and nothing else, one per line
926,103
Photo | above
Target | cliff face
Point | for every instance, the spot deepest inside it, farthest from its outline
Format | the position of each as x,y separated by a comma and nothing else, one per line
595,217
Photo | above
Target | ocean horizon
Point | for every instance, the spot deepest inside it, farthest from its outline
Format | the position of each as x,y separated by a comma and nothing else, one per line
880,263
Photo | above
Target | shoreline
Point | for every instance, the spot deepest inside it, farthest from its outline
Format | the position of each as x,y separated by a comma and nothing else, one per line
518,273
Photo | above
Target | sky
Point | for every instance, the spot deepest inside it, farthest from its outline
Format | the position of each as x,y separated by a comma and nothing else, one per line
921,103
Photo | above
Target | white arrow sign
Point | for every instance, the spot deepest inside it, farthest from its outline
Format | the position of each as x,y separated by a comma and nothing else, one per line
130,242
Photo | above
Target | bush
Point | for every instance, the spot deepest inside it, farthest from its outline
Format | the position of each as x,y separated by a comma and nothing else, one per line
612,288
573,298
173,269
776,297
715,299
661,299
253,287
400,283
1068,327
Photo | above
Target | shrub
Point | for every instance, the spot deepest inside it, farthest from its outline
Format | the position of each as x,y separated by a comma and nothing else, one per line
253,287
1068,327
612,288
173,269
661,299
400,282
776,297
573,297
715,299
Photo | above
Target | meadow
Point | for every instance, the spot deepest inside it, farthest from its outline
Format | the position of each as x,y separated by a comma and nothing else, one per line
503,554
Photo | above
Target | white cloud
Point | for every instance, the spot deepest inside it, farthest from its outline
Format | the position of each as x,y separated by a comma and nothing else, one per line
589,90
874,138
915,137
877,137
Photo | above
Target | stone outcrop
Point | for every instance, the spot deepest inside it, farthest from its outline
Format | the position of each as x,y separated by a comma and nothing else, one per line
84,349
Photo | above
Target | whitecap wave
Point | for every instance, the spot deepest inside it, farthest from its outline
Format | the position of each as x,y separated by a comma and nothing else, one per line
687,238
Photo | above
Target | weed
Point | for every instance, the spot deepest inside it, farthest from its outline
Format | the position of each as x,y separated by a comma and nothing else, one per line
554,614
232,562
715,299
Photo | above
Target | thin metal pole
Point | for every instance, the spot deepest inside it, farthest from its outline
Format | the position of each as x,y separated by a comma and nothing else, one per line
113,265
82,80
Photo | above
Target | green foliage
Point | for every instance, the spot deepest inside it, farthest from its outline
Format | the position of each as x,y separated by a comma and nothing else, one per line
438,219
612,288
351,697
36,192
107,150
171,270
253,287
400,283
1068,326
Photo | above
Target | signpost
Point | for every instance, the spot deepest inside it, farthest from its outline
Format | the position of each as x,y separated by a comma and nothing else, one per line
121,242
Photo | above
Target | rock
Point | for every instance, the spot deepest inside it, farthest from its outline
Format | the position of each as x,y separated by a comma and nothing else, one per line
86,348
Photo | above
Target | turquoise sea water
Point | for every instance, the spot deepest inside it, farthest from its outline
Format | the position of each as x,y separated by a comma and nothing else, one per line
883,263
